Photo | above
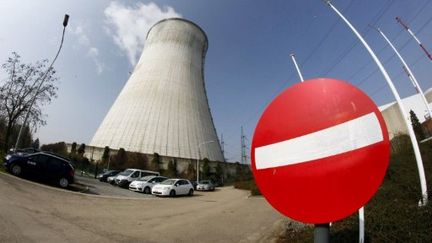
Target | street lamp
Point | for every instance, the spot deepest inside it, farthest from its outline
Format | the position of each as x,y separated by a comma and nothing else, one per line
65,22
199,156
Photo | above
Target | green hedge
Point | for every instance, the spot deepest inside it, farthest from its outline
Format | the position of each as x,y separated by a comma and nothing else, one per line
248,185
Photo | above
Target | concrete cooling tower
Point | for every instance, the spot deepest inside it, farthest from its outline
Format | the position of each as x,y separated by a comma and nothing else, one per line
163,107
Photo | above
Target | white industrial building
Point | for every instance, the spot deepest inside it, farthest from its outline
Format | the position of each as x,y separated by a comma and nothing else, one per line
163,107
394,119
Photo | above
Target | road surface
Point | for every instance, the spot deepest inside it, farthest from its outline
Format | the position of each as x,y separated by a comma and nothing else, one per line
30,212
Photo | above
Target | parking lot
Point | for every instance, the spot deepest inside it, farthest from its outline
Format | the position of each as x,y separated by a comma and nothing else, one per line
93,186
31,212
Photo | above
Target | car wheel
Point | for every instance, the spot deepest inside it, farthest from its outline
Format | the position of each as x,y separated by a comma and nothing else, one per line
63,182
147,190
16,170
172,193
190,192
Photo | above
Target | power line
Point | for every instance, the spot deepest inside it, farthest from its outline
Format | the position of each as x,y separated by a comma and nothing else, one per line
366,30
420,57
324,38
421,9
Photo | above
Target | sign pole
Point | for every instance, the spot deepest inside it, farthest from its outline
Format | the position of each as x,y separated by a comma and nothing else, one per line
322,233
424,196
361,225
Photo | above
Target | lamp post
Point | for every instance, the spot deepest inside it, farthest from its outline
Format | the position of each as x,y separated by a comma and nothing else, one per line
65,23
199,156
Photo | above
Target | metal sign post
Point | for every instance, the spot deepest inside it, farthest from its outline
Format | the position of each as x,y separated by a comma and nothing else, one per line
322,233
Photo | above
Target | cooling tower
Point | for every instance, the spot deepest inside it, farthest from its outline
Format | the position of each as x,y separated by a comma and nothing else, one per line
163,107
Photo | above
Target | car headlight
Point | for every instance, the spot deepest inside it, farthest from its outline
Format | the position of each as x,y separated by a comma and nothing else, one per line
166,188
8,157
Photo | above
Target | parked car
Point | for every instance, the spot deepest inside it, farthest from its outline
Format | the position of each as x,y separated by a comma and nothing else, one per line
173,187
22,151
104,176
194,184
146,183
43,166
205,185
111,179
123,179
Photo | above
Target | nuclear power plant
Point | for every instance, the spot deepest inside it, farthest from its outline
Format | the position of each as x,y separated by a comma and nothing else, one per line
163,107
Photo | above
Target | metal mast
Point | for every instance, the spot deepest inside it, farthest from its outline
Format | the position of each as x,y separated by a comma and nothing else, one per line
409,73
243,147
222,146
405,26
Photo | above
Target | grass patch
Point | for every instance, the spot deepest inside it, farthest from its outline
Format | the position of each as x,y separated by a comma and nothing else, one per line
392,215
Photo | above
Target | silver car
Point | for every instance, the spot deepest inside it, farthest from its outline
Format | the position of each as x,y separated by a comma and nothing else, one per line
205,185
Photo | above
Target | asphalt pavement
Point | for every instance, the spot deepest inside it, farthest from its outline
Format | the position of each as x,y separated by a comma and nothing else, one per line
93,186
33,212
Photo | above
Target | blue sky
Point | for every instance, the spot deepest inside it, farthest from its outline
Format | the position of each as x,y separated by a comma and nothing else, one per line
247,63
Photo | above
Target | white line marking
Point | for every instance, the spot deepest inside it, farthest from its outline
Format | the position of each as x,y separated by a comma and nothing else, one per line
348,136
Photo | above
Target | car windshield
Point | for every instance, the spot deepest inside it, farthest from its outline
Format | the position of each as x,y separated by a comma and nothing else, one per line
204,182
168,182
146,178
126,172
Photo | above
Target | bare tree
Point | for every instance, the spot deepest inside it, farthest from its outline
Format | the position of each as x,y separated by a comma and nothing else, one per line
17,89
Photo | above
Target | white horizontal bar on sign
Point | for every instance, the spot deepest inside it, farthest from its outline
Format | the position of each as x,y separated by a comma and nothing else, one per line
348,136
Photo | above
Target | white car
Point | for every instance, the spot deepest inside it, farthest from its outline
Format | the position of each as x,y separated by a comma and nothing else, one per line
173,187
146,183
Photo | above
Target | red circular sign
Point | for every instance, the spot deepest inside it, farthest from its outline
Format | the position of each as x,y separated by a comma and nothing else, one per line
320,151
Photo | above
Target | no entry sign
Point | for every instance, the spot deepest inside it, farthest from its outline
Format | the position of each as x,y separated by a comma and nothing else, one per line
320,151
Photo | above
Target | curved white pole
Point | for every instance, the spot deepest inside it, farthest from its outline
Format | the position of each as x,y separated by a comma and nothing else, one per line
297,67
410,74
406,119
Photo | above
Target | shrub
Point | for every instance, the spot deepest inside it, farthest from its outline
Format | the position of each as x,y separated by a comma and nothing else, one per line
248,185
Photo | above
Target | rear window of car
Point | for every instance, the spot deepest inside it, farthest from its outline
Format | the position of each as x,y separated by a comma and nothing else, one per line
146,178
168,182
160,179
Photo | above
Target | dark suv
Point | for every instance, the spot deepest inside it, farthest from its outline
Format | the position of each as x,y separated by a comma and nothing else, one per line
43,166
103,177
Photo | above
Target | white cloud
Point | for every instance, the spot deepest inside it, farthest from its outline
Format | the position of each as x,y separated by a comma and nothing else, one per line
81,32
128,25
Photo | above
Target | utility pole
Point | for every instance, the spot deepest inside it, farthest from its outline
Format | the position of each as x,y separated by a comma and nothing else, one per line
222,146
243,147
405,26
